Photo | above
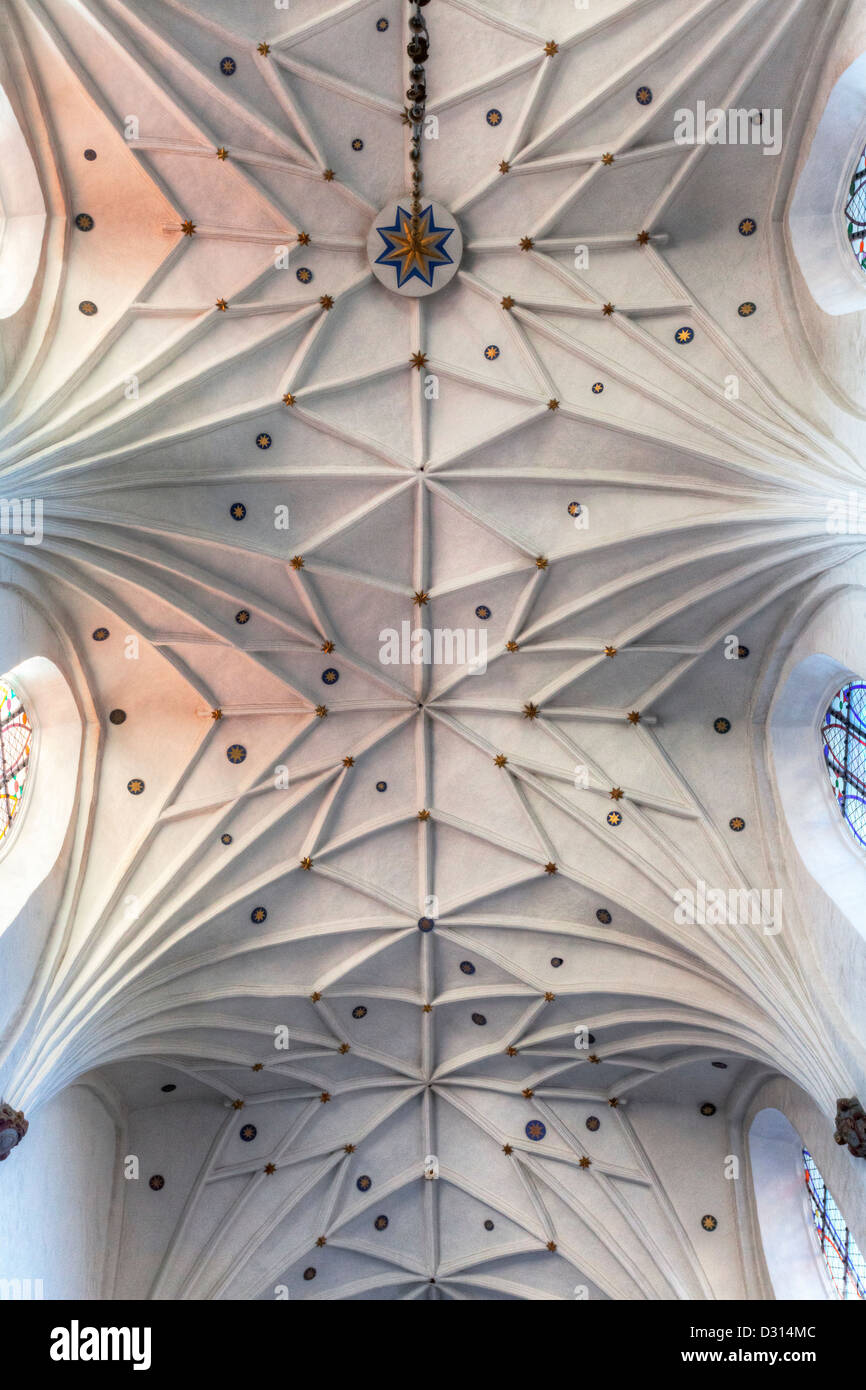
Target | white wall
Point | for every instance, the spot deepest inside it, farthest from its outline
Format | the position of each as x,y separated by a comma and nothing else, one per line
55,1197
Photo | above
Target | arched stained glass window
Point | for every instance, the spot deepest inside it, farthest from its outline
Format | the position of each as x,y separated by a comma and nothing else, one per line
844,732
15,740
839,1248
855,211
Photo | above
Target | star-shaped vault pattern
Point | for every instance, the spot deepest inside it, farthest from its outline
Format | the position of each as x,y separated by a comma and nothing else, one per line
554,994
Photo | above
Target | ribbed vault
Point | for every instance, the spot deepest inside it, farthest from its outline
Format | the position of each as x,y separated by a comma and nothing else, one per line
415,494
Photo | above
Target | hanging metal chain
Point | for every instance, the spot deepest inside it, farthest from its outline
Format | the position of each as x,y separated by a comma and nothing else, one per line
416,94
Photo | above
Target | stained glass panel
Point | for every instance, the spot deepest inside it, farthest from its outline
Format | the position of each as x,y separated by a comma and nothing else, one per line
855,211
844,732
15,740
839,1248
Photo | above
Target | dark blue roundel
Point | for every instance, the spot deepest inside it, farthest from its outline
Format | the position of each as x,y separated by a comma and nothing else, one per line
331,676
364,1183
556,961
426,924
467,967
381,786
259,914
535,1130
228,67
248,1133
479,1020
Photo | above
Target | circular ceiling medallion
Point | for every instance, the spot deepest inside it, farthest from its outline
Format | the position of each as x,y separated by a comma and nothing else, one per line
118,716
414,262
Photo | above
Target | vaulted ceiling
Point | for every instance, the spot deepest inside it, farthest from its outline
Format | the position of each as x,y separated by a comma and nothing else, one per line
258,841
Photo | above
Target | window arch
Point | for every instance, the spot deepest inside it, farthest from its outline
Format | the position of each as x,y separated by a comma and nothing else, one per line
842,1257
844,733
16,735
855,212
787,1237
816,219
22,213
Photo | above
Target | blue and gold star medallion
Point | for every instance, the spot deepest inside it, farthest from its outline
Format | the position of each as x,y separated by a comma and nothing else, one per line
414,258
